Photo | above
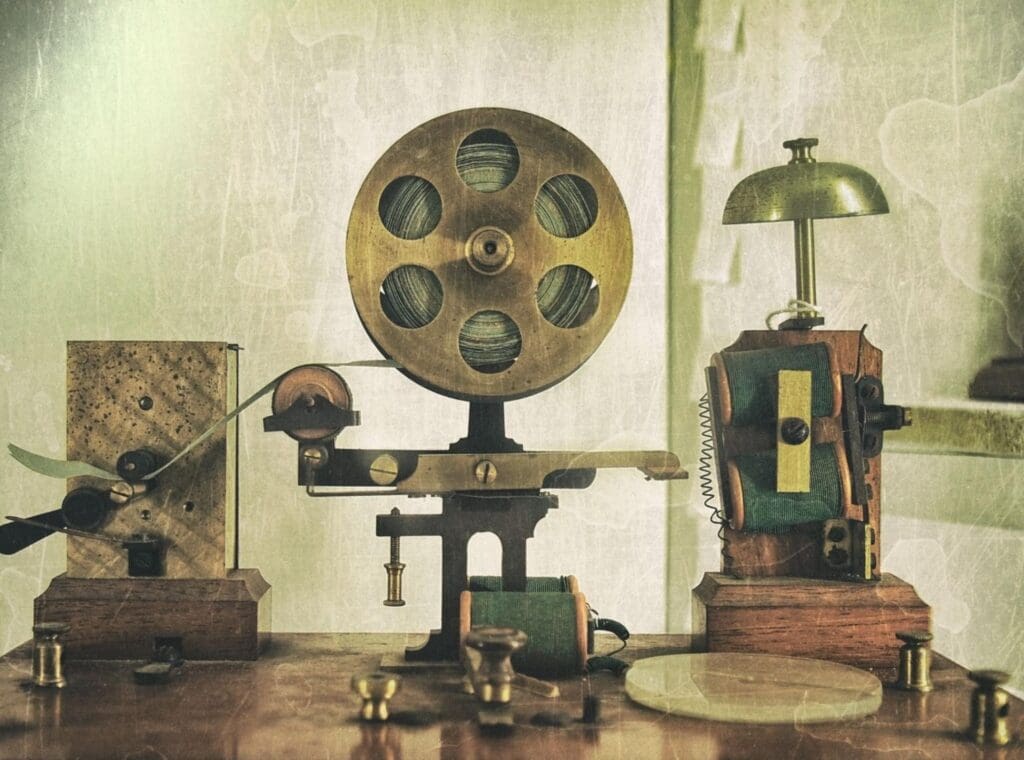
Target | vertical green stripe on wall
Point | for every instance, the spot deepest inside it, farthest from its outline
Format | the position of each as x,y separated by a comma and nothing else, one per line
684,317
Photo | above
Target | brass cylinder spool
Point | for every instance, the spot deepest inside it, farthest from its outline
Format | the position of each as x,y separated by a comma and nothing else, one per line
915,661
990,707
47,655
451,253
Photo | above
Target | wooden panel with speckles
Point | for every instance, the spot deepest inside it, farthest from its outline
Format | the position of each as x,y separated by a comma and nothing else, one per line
125,395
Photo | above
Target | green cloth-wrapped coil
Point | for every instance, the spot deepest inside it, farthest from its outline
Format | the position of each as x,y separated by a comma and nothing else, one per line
753,380
767,511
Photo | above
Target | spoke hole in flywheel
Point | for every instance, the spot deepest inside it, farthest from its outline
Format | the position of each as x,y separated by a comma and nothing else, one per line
487,160
568,296
411,296
410,207
566,206
490,342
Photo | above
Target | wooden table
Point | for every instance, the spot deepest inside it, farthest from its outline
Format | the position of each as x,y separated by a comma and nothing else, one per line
295,702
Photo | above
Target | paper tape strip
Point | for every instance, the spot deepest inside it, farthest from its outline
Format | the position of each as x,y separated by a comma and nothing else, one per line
60,468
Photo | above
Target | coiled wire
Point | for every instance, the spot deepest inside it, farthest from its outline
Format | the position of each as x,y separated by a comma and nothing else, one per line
490,341
567,296
487,161
707,477
566,206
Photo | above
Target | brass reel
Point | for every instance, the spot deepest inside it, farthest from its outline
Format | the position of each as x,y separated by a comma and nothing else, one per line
488,252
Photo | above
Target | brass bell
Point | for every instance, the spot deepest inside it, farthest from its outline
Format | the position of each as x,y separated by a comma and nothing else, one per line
375,689
801,191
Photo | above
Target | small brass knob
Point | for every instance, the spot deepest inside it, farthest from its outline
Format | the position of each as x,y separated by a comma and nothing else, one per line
915,661
47,654
375,689
990,706
492,678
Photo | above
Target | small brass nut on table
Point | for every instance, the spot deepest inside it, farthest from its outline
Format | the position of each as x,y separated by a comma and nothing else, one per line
47,654
915,661
990,706
375,689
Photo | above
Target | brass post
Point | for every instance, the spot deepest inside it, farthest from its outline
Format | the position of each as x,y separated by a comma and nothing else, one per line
803,234
492,678
47,653
915,661
990,706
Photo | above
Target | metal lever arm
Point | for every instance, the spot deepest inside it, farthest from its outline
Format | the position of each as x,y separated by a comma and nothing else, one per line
20,533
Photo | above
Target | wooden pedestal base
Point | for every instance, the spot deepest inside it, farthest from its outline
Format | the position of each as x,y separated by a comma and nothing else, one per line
120,618
851,623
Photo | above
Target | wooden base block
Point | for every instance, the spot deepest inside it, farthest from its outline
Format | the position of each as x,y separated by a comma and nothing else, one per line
851,623
120,618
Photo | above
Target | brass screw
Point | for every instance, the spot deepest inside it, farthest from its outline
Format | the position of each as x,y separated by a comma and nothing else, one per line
375,689
47,651
314,456
915,661
384,470
990,706
485,472
121,492
395,568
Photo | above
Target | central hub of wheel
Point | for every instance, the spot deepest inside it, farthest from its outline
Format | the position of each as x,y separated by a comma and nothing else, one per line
489,250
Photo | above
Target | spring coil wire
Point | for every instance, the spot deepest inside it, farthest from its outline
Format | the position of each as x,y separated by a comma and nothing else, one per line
412,296
707,479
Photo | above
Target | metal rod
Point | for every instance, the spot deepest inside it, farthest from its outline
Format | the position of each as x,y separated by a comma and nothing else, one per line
806,291
68,531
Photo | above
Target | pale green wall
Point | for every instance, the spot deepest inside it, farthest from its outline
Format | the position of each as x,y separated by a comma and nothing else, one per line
185,170
928,96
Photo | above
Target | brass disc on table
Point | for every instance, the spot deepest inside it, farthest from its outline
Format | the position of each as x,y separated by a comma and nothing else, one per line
489,252
305,383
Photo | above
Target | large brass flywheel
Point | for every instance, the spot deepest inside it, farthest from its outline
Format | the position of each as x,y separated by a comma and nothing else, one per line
489,253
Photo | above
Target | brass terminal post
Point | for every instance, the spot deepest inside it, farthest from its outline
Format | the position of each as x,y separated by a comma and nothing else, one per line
493,674
375,689
47,653
915,661
395,568
990,706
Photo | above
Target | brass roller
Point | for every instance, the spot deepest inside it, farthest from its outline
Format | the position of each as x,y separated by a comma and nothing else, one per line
453,269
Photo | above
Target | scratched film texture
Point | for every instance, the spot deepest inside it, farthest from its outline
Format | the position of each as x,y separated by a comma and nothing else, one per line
185,171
